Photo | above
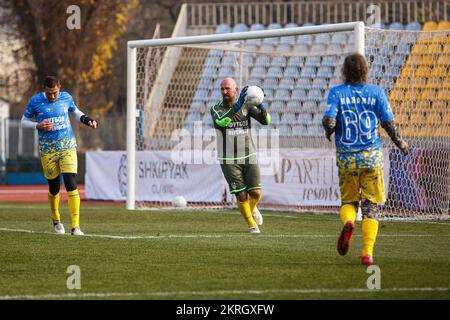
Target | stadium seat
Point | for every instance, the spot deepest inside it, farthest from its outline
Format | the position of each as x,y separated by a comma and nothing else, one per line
288,118
299,130
223,28
309,106
285,130
443,25
396,26
305,39
274,117
266,47
304,83
430,26
270,83
225,72
291,72
304,118
319,83
284,48
298,95
329,61
322,38
313,61
282,95
240,27
262,61
278,61
293,106
201,95
287,83
334,49
339,38
257,27
258,73
275,72
277,106
324,72
308,72
413,26
197,106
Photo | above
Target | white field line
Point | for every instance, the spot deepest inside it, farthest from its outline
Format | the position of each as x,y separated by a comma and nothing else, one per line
213,293
196,236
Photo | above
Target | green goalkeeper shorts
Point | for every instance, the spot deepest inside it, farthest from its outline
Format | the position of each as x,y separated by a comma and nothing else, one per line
242,177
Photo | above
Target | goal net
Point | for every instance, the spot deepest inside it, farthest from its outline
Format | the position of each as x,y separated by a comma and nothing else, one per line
173,83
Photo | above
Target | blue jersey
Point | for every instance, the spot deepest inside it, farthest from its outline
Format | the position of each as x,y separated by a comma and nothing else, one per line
358,110
61,136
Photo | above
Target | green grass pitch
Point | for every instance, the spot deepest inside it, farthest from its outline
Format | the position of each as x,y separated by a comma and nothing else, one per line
209,255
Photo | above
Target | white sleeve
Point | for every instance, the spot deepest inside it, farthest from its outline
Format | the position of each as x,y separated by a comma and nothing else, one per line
77,114
28,123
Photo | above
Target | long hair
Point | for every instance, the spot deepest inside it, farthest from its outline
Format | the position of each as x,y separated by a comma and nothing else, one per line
355,69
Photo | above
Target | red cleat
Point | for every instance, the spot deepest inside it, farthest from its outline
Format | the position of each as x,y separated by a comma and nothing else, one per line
366,260
345,238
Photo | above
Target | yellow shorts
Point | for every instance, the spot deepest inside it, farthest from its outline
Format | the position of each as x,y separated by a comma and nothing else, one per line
64,161
364,183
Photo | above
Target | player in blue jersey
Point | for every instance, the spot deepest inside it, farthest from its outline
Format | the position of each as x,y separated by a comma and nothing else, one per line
48,112
355,111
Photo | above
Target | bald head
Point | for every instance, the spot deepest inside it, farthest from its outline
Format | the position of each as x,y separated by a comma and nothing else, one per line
228,89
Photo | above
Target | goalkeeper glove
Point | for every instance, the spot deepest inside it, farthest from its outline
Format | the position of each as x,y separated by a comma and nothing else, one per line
261,107
86,120
241,99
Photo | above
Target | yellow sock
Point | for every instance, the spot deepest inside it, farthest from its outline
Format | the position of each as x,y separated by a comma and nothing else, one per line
74,207
253,202
244,207
348,212
369,231
53,200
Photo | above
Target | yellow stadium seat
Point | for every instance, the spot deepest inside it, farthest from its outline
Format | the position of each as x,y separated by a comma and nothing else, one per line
433,83
396,95
428,60
423,105
444,60
419,82
430,26
434,48
443,95
407,72
428,94
443,25
440,105
439,72
422,71
419,48
415,59
446,49
411,95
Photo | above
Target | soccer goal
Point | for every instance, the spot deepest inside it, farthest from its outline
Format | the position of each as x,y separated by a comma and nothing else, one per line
172,83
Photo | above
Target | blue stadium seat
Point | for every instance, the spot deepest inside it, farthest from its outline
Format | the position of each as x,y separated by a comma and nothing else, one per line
284,48
201,95
262,61
240,27
298,95
317,49
299,130
334,49
309,106
257,27
305,39
305,118
293,106
274,26
227,72
198,106
270,83
304,84
205,83
291,72
322,38
314,95
278,61
209,72
296,62
329,61
275,72
319,83
291,25
308,72
229,61
313,61
266,47
223,28
287,83
268,94
258,73
282,95
325,72
215,95
277,106
413,26
339,38
396,26
285,130
397,60
288,118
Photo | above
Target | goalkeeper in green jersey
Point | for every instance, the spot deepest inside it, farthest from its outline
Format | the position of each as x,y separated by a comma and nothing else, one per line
236,149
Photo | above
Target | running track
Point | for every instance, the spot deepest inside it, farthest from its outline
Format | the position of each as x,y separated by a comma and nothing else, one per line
38,194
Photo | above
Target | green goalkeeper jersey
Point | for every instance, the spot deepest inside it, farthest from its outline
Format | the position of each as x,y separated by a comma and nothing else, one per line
234,140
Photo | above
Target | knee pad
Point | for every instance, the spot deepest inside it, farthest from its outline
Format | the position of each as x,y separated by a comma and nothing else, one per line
369,209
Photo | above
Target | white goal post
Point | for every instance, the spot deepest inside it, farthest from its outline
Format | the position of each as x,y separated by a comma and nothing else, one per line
356,27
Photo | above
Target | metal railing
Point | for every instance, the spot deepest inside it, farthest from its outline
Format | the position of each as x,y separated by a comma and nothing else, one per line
206,15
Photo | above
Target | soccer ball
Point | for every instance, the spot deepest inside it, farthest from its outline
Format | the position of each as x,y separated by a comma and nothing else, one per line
179,202
255,96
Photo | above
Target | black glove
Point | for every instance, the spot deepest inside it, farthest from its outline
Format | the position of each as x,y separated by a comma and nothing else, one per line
86,120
